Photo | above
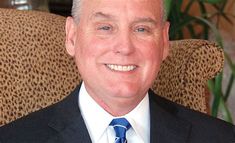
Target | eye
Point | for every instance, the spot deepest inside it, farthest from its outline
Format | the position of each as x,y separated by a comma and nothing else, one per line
104,27
142,29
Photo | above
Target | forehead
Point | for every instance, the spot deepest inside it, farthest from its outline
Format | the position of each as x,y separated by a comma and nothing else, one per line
142,8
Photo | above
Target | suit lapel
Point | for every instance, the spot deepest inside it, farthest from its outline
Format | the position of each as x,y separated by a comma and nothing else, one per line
166,127
68,121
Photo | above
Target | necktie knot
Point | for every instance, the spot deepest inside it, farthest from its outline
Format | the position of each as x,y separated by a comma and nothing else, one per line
120,125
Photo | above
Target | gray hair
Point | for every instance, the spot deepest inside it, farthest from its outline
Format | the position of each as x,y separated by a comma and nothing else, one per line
76,10
164,10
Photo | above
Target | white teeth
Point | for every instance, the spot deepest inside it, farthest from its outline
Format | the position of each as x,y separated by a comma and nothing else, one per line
121,68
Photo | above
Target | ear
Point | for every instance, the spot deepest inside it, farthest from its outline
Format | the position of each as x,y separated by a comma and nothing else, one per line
70,29
166,41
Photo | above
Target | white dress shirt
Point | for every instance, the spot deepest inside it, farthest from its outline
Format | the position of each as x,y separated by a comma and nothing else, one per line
97,120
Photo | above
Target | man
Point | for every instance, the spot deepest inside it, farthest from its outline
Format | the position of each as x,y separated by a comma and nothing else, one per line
118,46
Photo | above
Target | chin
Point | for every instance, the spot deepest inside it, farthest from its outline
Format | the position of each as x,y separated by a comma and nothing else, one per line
125,91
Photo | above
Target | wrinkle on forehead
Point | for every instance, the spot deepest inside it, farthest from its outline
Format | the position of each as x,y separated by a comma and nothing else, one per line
123,7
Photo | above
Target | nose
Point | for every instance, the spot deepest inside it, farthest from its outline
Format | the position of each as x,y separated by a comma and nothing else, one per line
124,44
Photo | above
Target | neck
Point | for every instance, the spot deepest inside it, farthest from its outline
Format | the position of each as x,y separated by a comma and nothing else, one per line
118,106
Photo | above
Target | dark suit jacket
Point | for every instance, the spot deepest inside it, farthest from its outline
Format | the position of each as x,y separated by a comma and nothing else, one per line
170,123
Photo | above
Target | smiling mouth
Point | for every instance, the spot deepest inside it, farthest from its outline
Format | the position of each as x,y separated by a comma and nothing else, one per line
121,68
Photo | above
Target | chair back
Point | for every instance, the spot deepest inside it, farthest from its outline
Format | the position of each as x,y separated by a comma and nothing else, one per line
36,71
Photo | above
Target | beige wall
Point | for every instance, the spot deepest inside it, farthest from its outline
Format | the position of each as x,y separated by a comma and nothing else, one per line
224,25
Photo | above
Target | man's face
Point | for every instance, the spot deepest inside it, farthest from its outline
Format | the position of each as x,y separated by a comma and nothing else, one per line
118,47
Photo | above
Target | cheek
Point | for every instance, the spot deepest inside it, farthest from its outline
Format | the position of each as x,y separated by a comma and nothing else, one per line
152,52
85,48
152,55
83,55
89,51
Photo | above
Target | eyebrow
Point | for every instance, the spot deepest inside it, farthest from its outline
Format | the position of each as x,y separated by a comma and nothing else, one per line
145,19
102,16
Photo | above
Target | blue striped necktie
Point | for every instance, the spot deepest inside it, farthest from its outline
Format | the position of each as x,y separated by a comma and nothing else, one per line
120,125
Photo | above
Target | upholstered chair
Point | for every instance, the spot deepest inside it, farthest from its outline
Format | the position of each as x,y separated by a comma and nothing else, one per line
36,71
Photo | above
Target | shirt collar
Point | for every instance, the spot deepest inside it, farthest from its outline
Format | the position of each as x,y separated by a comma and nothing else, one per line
139,117
96,123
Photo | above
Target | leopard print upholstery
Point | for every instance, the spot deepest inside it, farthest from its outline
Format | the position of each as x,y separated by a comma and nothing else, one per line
184,74
36,71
